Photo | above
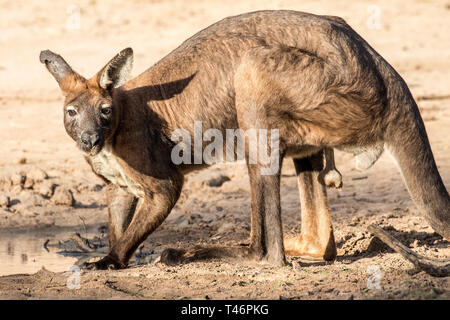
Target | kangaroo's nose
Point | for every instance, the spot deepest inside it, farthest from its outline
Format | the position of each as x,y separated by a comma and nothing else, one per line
90,139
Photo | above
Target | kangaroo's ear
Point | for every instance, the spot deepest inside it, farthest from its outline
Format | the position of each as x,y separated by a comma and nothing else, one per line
116,71
56,65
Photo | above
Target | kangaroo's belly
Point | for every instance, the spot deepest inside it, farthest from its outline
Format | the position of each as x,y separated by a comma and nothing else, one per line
106,165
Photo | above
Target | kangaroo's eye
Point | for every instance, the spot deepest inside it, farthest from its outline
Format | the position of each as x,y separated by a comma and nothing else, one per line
106,110
71,112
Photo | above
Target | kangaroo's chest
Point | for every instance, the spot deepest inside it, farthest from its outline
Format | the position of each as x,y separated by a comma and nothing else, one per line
106,165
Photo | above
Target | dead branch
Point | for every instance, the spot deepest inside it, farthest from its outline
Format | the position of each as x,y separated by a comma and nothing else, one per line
81,245
434,267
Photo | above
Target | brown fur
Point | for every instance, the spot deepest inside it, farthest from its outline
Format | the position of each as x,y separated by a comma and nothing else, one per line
311,77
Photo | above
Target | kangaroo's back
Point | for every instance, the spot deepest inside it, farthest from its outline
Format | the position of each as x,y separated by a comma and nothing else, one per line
195,81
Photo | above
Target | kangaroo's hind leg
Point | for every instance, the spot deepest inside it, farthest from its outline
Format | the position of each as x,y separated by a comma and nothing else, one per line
316,240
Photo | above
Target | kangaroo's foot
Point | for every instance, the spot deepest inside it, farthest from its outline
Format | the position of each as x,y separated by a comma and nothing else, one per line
173,256
308,249
106,263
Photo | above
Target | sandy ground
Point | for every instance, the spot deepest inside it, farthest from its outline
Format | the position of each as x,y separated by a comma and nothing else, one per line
50,187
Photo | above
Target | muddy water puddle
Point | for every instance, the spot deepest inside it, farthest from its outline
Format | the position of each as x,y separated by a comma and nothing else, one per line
28,251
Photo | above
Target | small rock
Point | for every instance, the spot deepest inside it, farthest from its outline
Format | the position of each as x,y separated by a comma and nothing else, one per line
31,198
22,161
415,244
225,227
46,189
5,202
63,196
24,211
360,236
98,187
29,183
183,222
17,189
37,174
354,221
218,181
5,183
18,179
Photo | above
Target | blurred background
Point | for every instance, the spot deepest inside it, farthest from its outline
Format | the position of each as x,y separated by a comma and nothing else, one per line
410,35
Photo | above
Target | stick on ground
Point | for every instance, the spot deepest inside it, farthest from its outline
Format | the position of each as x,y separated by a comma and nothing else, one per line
434,267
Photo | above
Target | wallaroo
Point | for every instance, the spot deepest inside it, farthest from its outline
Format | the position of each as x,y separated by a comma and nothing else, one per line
313,78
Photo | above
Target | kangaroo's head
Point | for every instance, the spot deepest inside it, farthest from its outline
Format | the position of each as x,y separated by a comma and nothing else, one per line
90,116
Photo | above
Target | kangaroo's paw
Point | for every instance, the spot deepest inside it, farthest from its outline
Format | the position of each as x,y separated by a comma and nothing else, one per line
106,263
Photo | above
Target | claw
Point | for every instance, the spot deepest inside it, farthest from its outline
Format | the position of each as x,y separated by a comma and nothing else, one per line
106,263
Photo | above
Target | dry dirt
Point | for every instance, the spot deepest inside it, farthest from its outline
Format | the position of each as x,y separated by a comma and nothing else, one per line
46,185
